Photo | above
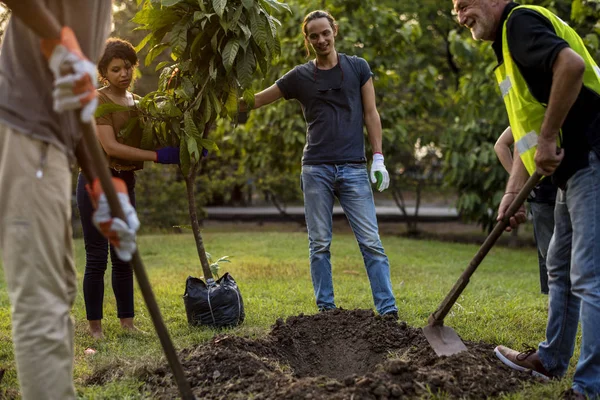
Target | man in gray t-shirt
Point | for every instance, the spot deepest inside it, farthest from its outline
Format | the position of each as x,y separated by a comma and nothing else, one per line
338,100
45,70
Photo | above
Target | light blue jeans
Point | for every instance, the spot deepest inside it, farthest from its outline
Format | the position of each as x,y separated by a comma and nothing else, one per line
574,281
350,184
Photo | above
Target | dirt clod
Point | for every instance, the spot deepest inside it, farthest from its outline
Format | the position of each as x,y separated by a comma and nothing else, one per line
336,354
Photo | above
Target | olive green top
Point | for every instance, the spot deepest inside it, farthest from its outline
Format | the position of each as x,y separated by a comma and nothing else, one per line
118,120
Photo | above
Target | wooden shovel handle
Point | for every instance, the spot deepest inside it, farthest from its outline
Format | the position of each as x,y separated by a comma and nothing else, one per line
437,317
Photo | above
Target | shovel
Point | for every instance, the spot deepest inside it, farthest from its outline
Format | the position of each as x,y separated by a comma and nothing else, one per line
98,158
443,339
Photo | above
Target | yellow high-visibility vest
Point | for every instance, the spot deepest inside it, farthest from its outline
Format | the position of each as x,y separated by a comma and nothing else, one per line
525,113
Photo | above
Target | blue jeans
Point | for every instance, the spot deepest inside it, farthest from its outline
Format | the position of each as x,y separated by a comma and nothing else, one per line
574,281
543,226
350,184
96,257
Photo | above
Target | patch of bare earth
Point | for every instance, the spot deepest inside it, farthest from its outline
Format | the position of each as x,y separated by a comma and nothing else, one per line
338,354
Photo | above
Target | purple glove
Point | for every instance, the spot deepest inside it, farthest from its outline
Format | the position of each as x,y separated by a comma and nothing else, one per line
167,155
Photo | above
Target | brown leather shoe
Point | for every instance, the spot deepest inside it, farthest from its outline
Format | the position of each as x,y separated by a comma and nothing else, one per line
527,361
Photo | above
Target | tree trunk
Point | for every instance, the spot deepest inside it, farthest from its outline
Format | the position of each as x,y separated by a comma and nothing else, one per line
189,184
413,229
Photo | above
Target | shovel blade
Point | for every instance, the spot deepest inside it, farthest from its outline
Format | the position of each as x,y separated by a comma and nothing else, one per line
444,340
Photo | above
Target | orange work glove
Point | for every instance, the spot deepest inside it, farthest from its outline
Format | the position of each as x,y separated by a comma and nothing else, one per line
75,76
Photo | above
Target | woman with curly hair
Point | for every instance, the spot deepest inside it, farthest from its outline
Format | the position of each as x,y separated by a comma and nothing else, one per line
124,157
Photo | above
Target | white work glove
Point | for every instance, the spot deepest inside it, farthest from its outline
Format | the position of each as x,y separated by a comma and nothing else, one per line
120,234
379,174
75,76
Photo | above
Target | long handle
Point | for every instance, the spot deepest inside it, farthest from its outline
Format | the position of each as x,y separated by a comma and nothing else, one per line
98,159
437,317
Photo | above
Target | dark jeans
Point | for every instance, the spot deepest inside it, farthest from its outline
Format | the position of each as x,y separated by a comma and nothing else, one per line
96,257
543,227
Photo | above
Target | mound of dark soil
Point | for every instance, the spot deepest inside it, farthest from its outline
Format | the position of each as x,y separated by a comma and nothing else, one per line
336,355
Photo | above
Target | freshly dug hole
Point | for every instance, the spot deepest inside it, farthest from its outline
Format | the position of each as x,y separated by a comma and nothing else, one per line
336,355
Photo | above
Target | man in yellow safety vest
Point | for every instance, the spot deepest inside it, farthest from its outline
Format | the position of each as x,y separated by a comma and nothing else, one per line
551,89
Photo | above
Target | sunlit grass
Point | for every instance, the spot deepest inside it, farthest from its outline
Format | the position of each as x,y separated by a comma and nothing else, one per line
501,304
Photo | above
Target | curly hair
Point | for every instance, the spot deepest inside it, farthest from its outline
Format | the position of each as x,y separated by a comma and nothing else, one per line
311,16
116,48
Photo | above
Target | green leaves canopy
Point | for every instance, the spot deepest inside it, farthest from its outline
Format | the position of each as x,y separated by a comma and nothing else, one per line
217,47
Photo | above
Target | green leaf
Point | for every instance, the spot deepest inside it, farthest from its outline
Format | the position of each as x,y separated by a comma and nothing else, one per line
168,107
193,150
248,97
179,39
212,70
248,4
154,19
143,42
161,65
190,127
155,52
215,103
258,31
165,76
219,6
214,41
207,110
186,89
245,67
169,3
184,156
247,32
272,22
147,142
109,108
277,6
125,132
229,53
209,145
236,16
231,104
197,43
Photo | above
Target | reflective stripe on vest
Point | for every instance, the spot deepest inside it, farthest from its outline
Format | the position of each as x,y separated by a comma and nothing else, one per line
525,113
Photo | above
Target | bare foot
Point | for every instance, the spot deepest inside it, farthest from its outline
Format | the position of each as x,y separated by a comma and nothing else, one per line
96,329
127,325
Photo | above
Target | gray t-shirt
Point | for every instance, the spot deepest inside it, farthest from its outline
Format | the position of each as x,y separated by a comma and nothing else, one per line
26,80
332,105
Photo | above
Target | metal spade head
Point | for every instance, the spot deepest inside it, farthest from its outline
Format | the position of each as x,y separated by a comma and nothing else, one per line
444,340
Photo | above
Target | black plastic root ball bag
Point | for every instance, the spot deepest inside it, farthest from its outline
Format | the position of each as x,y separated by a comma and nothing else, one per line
218,305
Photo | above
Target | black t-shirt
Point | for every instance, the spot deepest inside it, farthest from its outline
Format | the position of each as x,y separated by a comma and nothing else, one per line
534,46
332,105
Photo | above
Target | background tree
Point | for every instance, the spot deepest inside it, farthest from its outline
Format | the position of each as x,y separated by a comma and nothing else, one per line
216,49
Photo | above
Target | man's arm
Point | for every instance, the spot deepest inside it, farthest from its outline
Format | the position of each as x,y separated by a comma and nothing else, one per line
567,79
36,16
371,116
263,98
518,177
502,149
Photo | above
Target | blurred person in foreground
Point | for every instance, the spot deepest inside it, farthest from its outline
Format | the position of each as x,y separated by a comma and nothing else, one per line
47,67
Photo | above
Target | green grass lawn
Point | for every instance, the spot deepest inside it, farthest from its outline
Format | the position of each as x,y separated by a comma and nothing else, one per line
502,303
